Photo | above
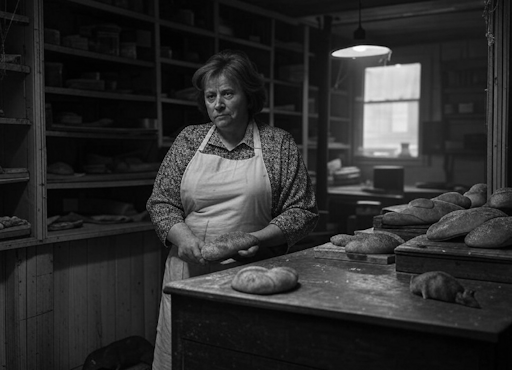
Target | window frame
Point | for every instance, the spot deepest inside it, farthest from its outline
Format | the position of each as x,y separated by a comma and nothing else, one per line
429,90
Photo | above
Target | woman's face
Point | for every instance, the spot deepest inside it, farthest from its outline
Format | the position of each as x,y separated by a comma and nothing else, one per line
226,103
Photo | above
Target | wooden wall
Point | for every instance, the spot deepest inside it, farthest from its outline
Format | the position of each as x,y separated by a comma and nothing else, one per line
59,302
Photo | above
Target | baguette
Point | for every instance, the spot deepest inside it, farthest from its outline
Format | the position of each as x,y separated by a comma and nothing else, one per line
420,211
461,222
228,245
495,233
260,280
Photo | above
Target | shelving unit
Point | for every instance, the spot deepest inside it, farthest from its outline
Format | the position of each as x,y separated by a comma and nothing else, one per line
19,136
101,109
464,128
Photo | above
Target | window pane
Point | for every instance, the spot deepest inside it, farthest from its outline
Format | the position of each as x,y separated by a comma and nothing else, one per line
391,111
396,82
388,126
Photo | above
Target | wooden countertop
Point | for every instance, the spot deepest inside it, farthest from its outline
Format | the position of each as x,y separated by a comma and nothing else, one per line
366,293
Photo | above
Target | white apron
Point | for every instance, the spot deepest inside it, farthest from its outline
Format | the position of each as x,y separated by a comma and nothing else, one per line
218,195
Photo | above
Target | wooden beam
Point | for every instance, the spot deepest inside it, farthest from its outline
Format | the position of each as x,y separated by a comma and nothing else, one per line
392,12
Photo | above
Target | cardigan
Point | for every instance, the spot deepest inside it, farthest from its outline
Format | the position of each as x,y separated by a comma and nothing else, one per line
294,209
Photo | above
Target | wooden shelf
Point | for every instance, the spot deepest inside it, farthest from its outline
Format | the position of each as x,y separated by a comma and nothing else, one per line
86,181
93,231
14,121
15,67
118,11
98,56
10,178
180,63
244,42
15,17
98,94
101,132
186,28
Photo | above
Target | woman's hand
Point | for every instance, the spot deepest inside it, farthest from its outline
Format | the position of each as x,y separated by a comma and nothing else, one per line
189,246
190,251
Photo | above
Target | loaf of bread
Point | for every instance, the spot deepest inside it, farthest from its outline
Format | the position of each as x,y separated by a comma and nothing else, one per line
495,233
228,245
461,222
502,199
260,280
341,240
455,198
374,243
420,211
477,194
60,168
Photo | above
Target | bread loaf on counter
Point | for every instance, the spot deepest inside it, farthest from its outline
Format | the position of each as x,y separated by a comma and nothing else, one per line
495,233
420,211
342,240
228,245
461,222
260,280
376,243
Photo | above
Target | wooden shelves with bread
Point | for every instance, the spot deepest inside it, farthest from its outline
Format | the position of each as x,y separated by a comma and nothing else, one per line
20,192
101,114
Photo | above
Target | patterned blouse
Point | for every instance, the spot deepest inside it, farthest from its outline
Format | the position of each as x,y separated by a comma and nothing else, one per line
294,208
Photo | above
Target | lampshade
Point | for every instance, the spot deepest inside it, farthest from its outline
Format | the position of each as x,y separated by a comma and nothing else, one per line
361,48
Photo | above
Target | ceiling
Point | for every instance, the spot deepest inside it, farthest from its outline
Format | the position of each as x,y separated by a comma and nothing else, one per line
393,22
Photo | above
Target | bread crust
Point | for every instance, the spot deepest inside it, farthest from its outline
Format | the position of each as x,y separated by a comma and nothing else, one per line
228,245
495,233
461,222
377,243
420,211
455,198
260,280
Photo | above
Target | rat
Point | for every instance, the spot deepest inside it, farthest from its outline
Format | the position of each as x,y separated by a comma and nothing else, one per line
443,287
120,354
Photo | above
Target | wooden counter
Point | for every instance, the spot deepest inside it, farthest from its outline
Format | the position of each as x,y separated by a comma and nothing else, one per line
344,314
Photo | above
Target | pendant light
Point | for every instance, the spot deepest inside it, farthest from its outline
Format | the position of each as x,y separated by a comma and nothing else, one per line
360,49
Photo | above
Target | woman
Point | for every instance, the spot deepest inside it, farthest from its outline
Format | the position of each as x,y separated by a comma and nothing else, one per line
231,174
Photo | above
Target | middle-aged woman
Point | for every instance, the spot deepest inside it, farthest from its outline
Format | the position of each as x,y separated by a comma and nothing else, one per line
232,174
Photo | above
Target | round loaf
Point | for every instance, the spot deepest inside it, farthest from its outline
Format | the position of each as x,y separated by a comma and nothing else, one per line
501,199
455,198
377,243
461,222
495,233
260,280
228,245
60,168
477,194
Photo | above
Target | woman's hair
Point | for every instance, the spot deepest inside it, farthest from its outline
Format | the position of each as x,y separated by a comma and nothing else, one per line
236,66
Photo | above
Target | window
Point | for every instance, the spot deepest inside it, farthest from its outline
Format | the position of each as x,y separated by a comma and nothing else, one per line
391,111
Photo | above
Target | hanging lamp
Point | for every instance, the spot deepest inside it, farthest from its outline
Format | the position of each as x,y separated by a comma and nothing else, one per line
360,49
